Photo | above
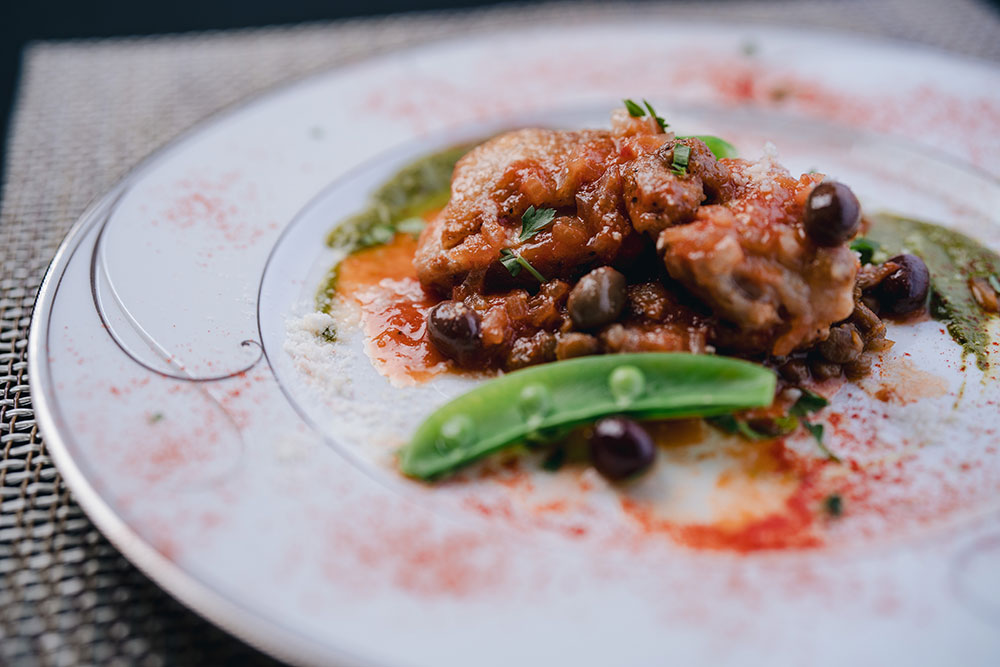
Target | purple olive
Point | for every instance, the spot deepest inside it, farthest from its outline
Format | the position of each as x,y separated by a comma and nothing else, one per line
620,448
455,330
832,214
904,290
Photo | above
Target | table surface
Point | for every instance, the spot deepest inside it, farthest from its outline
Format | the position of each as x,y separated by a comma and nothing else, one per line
86,112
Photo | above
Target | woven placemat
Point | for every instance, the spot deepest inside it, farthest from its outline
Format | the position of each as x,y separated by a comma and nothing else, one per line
88,111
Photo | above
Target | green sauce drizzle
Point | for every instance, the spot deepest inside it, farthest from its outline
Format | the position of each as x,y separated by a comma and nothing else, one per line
952,259
397,206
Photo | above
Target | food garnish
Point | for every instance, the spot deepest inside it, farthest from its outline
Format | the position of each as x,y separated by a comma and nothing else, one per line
634,109
663,277
679,164
534,220
866,248
772,427
397,205
513,262
834,505
659,119
637,111
544,400
951,259
720,147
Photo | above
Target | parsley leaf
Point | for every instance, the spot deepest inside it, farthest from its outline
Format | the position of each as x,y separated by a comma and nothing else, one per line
994,282
680,162
720,147
808,403
555,459
533,220
634,109
514,263
733,426
866,248
659,119
834,504
816,430
328,334
509,261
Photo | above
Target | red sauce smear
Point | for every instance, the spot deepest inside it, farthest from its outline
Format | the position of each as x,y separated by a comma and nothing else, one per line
383,282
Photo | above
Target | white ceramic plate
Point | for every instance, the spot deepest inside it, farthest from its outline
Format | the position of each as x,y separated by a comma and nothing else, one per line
261,496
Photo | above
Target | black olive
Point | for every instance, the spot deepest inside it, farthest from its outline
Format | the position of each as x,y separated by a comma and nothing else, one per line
843,345
620,448
597,299
904,290
454,329
832,215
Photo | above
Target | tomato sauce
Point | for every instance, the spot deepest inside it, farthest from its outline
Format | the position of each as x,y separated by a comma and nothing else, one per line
383,283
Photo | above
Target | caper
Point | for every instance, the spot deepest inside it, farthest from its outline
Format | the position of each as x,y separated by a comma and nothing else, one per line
795,371
844,344
823,369
455,330
597,299
832,214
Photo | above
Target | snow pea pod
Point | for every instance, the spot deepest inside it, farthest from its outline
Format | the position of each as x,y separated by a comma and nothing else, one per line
543,399
720,147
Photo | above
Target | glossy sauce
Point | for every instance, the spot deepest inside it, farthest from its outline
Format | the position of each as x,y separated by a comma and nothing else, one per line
382,282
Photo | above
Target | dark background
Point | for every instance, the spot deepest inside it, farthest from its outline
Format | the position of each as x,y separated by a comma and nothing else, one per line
21,22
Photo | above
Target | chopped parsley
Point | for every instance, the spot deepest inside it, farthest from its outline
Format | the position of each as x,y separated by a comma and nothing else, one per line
534,220
760,430
808,403
555,459
634,109
733,426
816,430
834,505
637,111
329,334
652,113
866,248
514,263
682,153
155,417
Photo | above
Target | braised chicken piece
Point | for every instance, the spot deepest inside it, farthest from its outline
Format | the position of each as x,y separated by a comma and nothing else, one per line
653,245
575,173
656,197
752,263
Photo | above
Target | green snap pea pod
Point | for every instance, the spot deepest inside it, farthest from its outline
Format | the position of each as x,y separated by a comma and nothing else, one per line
543,399
719,147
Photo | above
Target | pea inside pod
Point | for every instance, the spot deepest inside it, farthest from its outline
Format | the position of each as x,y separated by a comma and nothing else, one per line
542,399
